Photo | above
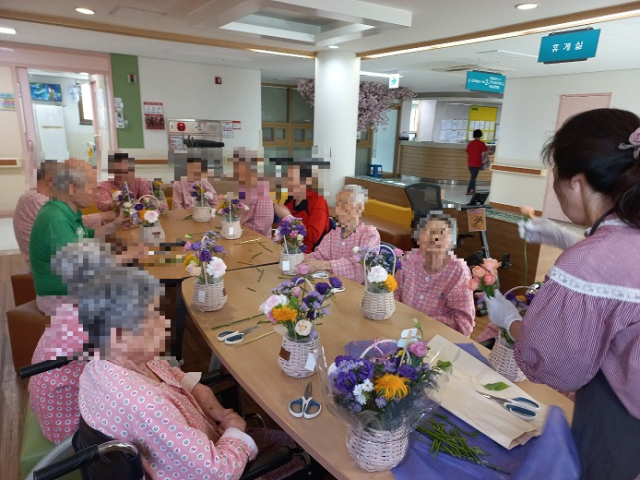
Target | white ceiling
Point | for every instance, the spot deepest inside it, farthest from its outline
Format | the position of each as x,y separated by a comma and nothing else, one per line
430,19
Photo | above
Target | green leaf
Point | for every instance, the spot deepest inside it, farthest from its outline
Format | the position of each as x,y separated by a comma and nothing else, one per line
496,387
445,366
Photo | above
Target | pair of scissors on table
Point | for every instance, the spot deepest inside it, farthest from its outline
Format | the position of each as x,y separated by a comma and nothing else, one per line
305,406
521,407
231,337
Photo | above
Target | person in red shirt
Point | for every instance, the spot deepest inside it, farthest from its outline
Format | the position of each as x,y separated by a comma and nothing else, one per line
306,203
474,159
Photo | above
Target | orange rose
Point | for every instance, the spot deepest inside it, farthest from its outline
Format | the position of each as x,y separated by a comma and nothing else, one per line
478,272
489,279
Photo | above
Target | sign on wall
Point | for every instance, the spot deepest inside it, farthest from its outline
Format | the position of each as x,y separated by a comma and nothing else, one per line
575,46
485,82
153,116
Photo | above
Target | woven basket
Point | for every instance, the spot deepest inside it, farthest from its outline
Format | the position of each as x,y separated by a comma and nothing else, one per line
292,259
377,450
378,306
294,355
209,297
151,235
501,358
201,214
231,229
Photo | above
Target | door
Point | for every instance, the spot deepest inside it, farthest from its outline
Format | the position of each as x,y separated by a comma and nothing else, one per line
52,135
30,157
102,139
384,142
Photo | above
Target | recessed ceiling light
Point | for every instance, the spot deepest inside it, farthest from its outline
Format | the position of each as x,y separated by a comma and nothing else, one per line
333,46
8,30
527,6
85,11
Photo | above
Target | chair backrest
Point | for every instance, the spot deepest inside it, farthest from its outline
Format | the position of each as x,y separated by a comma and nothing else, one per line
116,465
424,197
26,325
23,288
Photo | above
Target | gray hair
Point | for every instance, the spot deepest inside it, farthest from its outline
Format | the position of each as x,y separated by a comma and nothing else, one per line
358,194
438,215
66,174
108,295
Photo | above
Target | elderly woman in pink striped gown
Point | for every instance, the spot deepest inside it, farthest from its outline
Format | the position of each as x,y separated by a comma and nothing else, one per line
335,252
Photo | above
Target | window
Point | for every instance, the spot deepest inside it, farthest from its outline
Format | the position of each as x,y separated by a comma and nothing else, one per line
85,105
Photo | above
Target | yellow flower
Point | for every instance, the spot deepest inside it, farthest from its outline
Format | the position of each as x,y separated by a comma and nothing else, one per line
284,313
391,283
191,258
391,386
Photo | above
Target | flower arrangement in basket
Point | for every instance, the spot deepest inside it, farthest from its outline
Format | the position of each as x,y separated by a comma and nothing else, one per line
146,212
290,234
204,262
380,265
202,209
230,211
382,397
157,188
294,307
123,201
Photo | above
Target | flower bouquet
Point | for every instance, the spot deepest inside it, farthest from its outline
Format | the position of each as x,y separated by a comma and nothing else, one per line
204,262
157,188
123,201
202,209
290,234
146,212
293,308
485,279
380,265
381,395
230,211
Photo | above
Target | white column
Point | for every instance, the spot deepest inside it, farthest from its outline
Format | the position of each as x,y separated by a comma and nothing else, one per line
337,85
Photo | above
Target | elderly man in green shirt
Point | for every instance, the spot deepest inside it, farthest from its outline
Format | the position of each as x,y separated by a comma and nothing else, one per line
59,222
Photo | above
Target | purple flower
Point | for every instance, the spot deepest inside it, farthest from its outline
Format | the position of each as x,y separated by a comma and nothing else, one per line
365,370
226,210
510,296
356,407
218,249
335,282
390,366
322,288
120,198
235,201
303,249
194,194
138,206
343,358
346,381
205,255
380,402
408,372
196,245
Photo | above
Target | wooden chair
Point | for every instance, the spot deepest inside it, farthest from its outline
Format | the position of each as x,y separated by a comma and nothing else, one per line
23,288
26,325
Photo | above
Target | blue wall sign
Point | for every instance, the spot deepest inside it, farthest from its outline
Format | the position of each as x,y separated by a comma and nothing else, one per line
485,82
569,47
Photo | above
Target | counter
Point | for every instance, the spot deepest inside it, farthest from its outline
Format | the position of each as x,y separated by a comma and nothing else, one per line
439,162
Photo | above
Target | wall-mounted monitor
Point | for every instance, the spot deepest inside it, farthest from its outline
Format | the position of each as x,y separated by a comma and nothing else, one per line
49,92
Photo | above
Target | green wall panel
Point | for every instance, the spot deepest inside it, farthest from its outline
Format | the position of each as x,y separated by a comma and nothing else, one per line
121,66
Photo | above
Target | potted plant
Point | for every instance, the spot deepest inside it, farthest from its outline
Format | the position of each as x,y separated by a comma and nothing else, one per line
157,188
146,213
204,262
290,234
202,210
230,211
380,267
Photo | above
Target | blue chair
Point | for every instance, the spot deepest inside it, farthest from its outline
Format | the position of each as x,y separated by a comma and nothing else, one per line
375,170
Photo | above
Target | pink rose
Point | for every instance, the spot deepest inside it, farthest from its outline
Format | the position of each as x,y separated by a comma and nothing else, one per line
187,246
474,283
489,279
478,272
634,138
296,291
303,269
491,265
528,211
419,349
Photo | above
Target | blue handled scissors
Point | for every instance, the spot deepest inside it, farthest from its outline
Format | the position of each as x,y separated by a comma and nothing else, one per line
521,407
305,406
231,337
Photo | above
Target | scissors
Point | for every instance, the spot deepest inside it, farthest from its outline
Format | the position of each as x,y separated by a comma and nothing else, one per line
305,406
521,407
231,337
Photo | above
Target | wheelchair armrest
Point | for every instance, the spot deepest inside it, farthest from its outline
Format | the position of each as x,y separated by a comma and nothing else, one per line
267,463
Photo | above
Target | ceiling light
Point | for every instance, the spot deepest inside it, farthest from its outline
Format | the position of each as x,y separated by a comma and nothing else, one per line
527,6
85,11
333,46
8,30
516,33
271,52
374,74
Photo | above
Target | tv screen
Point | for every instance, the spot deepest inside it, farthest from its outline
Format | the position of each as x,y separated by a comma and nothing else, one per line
46,91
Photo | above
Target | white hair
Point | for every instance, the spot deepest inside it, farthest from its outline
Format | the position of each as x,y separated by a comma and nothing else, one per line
66,174
359,194
441,216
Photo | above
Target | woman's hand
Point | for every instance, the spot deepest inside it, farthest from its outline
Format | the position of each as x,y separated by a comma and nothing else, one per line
545,231
232,420
502,312
317,265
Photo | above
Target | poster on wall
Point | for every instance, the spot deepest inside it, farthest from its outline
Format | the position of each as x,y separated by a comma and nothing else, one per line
7,102
153,116
237,125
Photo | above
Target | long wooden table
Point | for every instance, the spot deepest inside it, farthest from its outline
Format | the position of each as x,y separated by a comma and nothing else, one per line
255,365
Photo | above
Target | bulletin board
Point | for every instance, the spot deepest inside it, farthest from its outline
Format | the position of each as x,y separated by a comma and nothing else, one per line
570,105
483,118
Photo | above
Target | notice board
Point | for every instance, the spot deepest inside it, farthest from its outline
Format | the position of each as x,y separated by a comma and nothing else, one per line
570,105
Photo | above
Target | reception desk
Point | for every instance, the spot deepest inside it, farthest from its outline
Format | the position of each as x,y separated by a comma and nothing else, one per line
439,162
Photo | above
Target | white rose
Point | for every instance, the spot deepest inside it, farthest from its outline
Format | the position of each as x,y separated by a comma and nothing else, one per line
273,301
300,237
216,267
356,249
127,205
208,195
377,274
194,270
304,327
115,196
151,216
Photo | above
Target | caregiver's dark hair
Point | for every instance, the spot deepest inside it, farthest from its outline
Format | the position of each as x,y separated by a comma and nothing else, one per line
589,143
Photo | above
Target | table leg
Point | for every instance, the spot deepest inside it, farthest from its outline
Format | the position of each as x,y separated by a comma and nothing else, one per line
174,308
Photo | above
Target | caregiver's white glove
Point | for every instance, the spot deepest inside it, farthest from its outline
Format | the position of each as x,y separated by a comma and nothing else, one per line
502,312
543,230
